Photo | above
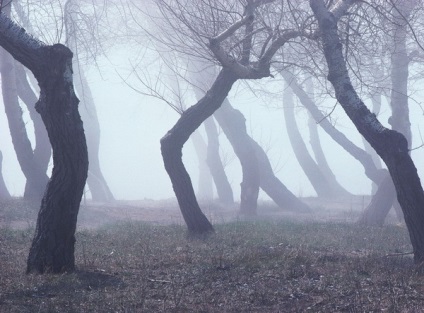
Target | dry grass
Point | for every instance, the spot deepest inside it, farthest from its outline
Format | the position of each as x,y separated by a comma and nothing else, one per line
246,266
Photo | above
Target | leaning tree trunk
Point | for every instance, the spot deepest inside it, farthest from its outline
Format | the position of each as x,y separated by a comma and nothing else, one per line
308,165
99,188
205,185
390,145
42,149
172,144
213,159
233,124
4,193
269,183
36,177
316,146
52,248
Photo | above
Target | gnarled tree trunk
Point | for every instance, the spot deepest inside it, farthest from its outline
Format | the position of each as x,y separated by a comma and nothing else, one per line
172,144
52,249
390,145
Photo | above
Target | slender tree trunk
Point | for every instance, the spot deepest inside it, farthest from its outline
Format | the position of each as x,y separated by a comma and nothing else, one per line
223,187
205,186
4,193
310,168
390,145
233,124
172,144
43,149
320,158
269,183
99,188
36,178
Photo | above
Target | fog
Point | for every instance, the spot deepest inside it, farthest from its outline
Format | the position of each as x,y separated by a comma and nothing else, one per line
132,125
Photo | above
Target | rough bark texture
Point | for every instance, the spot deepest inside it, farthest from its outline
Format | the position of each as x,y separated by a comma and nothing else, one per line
35,174
307,163
390,145
172,144
233,124
4,193
52,249
223,187
205,185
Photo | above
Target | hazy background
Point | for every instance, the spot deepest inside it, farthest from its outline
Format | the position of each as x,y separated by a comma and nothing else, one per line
132,125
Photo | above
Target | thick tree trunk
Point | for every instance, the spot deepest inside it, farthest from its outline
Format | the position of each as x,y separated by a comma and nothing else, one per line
389,144
172,144
205,185
308,165
4,193
269,183
52,249
36,177
223,187
233,124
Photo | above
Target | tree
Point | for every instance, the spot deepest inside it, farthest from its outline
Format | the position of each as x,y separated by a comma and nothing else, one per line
52,249
4,193
390,145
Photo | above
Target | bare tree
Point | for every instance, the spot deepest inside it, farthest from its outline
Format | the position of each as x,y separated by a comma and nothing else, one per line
4,193
389,144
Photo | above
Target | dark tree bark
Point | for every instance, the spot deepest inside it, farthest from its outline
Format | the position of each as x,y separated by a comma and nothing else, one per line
269,183
4,193
52,248
310,168
223,187
172,144
390,145
233,124
205,185
36,177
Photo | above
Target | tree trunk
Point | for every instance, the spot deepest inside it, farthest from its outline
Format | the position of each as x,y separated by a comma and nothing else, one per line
390,145
52,249
310,168
376,212
172,144
36,177
223,187
4,193
269,183
364,158
99,188
43,149
320,158
205,186
233,124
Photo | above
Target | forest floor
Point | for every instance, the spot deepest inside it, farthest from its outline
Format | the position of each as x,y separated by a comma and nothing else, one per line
134,256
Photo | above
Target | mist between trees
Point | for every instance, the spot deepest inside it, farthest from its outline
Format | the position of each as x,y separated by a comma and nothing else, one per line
226,101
